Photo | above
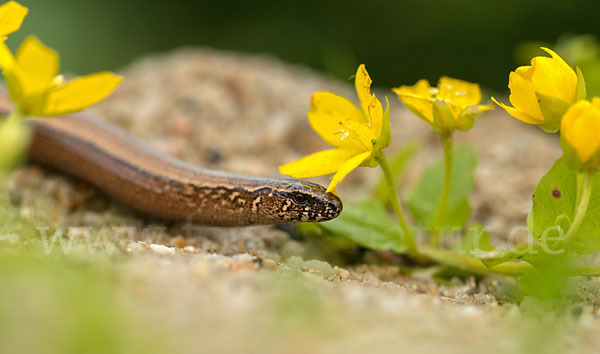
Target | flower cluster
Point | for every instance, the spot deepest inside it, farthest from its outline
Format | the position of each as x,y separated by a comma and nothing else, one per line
453,104
32,75
542,92
550,94
36,88
357,135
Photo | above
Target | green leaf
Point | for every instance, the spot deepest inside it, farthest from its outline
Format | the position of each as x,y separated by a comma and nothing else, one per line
398,162
553,110
369,225
554,208
530,253
476,239
425,198
550,280
580,89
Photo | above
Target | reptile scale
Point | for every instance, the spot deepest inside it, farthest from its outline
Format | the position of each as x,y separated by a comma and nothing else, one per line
159,185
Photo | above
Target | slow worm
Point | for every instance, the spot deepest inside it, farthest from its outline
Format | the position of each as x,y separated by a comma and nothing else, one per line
159,185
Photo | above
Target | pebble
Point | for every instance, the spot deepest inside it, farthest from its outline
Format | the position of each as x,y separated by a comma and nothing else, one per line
316,266
269,264
291,248
162,249
190,249
179,241
243,262
342,273
136,246
295,262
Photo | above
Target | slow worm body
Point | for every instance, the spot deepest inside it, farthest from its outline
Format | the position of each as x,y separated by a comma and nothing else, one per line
162,186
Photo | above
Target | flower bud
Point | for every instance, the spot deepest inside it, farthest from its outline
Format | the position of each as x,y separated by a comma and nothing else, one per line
580,135
542,92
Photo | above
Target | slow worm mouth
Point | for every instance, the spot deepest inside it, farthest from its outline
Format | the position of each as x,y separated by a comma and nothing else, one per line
334,207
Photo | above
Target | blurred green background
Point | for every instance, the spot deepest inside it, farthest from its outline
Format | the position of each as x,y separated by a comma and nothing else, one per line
400,41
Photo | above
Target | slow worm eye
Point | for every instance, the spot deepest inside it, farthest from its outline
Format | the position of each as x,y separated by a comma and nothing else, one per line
300,198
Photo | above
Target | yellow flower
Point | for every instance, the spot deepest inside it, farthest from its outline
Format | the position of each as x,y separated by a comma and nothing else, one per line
37,89
542,92
454,104
11,17
580,134
356,135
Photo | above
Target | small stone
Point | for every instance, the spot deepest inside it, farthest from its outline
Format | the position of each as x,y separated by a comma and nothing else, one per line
162,249
317,266
295,262
136,246
243,262
291,249
190,249
269,264
342,273
179,241
275,238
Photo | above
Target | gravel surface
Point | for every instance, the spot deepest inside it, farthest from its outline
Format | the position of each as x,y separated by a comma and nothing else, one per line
259,285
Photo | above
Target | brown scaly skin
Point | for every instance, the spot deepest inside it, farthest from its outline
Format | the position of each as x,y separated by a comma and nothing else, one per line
162,186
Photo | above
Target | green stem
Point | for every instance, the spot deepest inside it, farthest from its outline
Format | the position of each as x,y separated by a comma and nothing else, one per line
15,115
581,208
474,265
387,172
440,217
579,187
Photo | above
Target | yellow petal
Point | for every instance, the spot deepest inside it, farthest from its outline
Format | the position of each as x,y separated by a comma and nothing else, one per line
11,17
526,72
339,122
336,106
80,93
520,115
37,66
454,108
362,83
7,60
420,89
370,105
484,108
317,164
522,95
554,77
350,165
375,113
580,127
422,107
460,93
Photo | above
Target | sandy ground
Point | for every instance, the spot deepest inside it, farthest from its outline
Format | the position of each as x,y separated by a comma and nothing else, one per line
258,289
